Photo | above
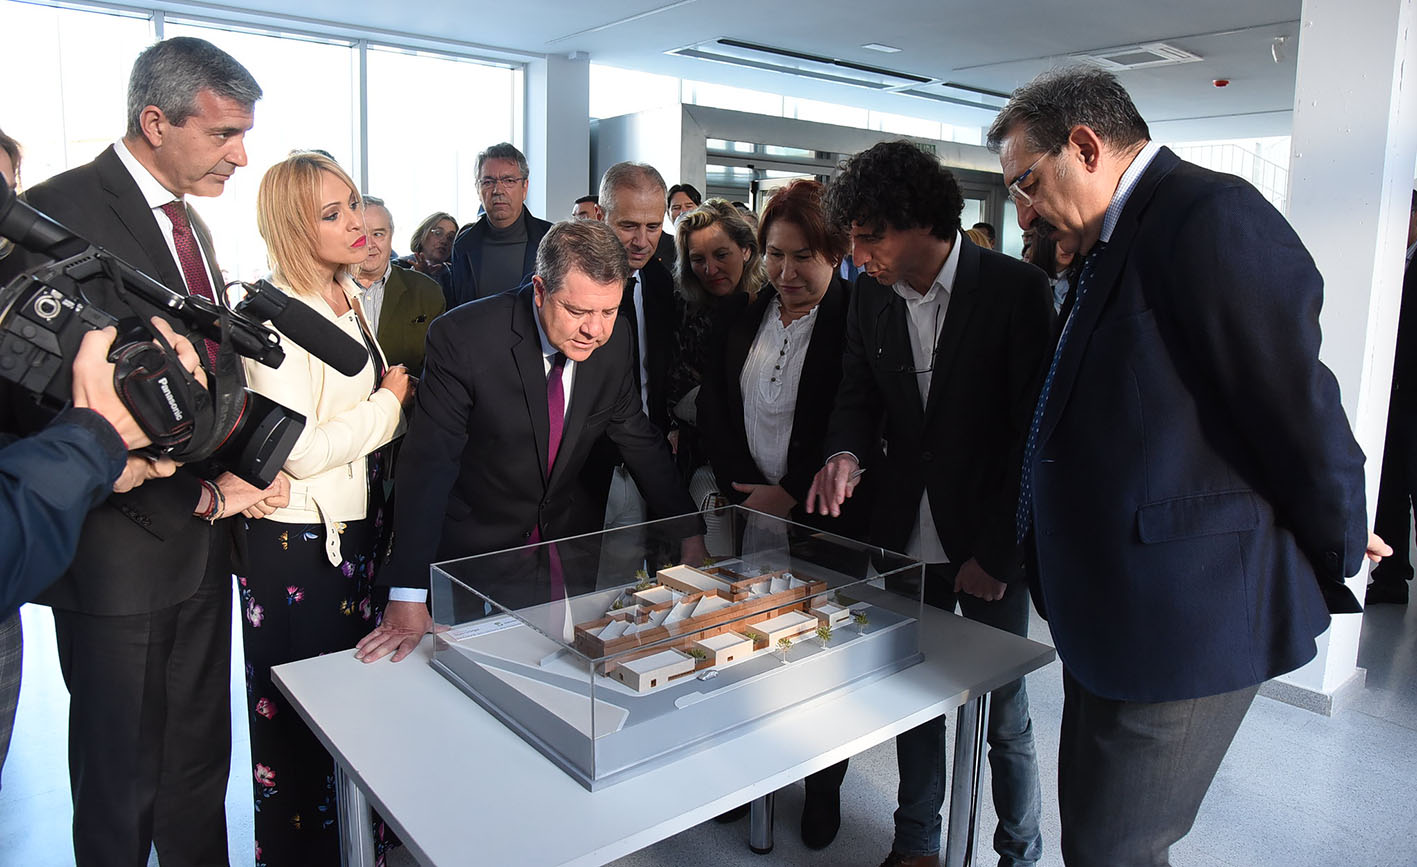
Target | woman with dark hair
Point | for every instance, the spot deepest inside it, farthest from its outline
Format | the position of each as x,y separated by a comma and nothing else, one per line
307,587
680,200
1056,263
767,394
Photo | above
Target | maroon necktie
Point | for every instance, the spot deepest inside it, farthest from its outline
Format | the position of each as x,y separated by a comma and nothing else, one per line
189,256
556,414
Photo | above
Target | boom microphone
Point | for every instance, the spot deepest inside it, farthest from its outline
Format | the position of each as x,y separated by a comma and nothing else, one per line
306,328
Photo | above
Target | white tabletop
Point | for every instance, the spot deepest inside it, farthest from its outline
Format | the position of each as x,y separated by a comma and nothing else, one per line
461,788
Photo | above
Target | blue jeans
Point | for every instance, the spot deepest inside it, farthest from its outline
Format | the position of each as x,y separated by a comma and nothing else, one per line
922,752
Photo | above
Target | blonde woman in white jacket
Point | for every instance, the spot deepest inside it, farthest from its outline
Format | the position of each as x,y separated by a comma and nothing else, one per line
310,565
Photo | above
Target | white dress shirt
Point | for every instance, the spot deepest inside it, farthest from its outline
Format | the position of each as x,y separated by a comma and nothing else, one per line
926,315
769,383
568,376
156,195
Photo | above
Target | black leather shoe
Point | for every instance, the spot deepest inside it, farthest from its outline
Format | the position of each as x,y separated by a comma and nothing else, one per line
895,859
732,815
1381,592
821,816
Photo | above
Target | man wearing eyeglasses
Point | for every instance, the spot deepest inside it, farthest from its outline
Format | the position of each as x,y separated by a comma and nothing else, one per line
945,343
498,252
1191,495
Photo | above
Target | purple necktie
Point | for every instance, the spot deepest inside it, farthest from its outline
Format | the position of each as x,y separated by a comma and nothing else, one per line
555,408
189,256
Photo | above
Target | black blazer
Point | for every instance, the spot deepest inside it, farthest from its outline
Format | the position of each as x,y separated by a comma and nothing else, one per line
660,313
143,550
467,257
962,445
720,410
1196,482
476,447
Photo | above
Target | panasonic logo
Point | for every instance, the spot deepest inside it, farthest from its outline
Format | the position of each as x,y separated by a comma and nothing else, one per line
171,401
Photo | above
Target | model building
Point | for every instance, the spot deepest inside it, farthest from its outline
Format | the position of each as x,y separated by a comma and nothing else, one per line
722,617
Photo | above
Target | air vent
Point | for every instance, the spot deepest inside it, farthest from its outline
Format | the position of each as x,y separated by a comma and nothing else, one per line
1146,56
749,55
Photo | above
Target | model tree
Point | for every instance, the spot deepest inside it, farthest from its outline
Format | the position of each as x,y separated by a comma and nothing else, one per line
784,644
642,580
860,619
698,653
824,634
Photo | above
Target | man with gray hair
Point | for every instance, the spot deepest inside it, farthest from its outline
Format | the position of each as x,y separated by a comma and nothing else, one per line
498,252
1191,494
489,474
143,615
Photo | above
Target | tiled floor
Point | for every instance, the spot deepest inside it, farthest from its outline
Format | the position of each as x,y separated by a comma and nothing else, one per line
1296,789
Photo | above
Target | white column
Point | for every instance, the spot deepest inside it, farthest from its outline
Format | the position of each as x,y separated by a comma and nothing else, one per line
557,142
1351,176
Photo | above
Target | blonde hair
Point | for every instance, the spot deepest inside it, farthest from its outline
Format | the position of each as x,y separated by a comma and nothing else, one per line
287,208
979,238
717,212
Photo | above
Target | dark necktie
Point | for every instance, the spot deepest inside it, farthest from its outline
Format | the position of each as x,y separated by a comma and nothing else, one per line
627,301
555,408
1023,518
189,256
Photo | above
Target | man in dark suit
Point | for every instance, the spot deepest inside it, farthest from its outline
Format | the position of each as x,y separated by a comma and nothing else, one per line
498,252
516,390
143,615
1398,488
398,302
1191,494
944,344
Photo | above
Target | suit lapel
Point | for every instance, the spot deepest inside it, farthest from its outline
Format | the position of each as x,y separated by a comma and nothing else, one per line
821,368
890,332
531,368
962,303
128,205
1107,271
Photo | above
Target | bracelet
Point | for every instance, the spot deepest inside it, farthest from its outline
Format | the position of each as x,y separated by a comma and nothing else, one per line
218,505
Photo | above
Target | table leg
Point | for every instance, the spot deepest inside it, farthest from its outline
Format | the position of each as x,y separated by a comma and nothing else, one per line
965,802
760,824
356,827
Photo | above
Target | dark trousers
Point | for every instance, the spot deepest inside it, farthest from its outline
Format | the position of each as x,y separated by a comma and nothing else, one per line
1132,775
12,654
921,753
1396,491
150,726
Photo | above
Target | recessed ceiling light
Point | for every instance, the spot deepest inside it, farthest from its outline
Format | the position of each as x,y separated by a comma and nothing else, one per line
884,49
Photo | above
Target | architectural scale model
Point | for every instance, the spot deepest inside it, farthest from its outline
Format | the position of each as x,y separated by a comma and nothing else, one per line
723,617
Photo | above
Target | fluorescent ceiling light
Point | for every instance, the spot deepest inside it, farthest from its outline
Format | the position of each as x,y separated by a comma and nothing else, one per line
884,49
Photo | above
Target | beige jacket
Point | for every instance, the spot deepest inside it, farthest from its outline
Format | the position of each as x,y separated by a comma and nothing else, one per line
345,420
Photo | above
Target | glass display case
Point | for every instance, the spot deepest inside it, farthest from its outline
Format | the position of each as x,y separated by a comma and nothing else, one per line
615,652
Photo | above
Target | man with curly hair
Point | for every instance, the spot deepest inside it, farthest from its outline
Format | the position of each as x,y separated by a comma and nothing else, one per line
945,343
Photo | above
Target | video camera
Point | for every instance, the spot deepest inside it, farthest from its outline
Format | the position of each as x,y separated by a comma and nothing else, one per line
45,312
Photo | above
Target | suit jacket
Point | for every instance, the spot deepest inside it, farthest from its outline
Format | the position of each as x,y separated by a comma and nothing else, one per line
411,302
143,550
1195,482
467,258
720,410
1404,364
476,448
962,446
660,312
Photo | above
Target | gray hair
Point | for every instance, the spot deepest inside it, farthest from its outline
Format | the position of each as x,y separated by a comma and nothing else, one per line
1048,108
376,202
171,73
628,175
416,242
504,151
588,246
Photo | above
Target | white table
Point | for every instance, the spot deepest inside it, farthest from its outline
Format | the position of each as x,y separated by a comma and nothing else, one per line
453,781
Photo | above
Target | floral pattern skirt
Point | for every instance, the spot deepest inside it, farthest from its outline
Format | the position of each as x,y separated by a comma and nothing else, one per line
295,605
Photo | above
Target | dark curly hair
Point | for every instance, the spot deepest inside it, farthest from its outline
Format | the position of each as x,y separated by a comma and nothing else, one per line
896,184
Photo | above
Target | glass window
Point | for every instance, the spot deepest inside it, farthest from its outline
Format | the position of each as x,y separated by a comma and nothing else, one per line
310,102
68,81
736,98
422,149
901,124
824,112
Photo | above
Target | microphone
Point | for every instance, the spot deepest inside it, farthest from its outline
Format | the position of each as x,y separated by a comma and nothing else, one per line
297,321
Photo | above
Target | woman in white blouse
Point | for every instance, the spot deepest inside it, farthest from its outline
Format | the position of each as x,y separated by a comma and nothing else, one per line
307,585
767,395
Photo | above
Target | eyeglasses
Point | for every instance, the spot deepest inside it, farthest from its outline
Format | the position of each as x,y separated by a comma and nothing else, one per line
1016,192
507,181
439,231
904,368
